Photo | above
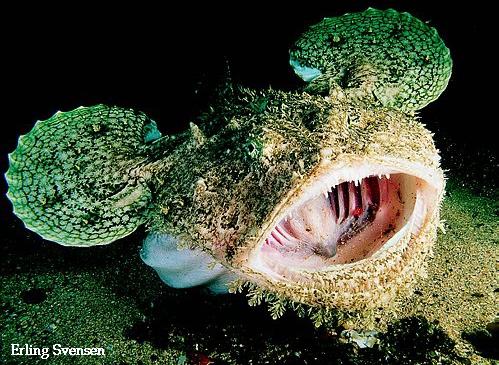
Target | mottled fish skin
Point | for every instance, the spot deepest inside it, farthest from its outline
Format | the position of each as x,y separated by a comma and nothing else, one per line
93,175
383,56
214,187
260,146
257,146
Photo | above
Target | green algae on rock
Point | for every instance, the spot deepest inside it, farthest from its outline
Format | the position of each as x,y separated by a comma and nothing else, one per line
389,58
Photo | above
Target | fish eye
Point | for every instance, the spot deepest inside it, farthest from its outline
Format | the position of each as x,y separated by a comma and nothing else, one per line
253,148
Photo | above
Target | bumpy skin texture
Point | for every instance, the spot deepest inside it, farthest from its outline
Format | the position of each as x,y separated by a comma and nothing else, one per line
216,186
260,146
93,175
390,58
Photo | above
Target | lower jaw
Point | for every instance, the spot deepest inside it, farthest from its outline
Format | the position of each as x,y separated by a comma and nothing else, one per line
369,284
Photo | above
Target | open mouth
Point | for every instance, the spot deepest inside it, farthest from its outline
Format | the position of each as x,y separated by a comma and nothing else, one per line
344,218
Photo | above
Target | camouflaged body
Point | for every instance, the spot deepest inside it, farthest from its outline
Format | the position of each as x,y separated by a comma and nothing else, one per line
252,149
82,179
93,175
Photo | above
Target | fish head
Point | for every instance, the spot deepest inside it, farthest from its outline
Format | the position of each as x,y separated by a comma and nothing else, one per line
317,199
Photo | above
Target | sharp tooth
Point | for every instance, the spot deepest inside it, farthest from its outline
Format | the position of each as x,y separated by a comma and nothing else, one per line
387,176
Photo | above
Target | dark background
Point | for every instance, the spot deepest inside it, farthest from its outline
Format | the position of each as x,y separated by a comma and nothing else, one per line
155,59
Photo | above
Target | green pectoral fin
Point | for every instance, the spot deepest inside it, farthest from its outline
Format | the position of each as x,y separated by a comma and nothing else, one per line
71,177
398,59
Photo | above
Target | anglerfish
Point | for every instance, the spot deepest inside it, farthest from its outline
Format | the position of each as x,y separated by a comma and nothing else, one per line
326,197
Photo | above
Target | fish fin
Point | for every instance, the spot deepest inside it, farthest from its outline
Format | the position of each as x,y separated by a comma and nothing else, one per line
184,267
70,178
382,57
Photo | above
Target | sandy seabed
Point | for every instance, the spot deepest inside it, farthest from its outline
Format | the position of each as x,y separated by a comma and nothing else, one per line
105,297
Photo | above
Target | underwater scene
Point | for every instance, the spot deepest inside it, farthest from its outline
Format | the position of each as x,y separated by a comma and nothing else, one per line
250,185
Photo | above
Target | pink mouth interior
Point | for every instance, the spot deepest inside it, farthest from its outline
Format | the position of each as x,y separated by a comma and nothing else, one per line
349,223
